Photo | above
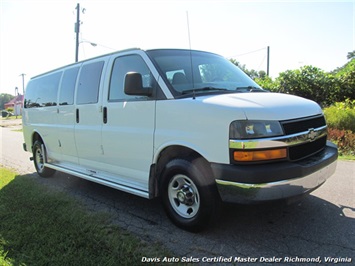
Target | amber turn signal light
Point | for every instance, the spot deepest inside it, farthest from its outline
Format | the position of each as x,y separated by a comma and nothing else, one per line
251,156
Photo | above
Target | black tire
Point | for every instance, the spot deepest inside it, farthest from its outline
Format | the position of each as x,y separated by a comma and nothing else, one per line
189,193
38,160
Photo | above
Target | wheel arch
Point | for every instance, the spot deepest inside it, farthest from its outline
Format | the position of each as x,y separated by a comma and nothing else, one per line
165,155
36,136
40,157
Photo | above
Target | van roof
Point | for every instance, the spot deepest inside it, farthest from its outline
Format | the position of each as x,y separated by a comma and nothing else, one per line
85,60
104,55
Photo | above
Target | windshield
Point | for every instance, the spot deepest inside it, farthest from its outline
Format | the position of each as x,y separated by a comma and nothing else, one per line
200,72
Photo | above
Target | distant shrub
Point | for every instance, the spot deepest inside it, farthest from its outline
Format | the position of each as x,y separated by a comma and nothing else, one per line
341,115
345,139
341,126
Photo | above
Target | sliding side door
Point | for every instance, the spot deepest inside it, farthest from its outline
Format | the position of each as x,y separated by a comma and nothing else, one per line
88,115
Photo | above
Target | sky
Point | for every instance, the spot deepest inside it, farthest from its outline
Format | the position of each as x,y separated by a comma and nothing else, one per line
38,36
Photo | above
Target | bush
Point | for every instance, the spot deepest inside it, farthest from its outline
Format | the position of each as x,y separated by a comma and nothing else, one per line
345,86
313,83
341,115
341,126
308,82
267,83
345,139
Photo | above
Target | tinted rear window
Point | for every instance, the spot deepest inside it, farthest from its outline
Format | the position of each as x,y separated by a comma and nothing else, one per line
42,91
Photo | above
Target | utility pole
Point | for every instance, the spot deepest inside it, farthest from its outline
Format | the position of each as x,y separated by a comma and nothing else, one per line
23,83
268,61
77,30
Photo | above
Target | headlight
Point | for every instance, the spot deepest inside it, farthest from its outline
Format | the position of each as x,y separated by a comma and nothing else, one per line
252,129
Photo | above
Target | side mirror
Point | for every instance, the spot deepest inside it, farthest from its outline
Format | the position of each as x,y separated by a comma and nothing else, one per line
133,85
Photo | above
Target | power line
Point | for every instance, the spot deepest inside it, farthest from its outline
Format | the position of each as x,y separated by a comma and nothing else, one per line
262,62
258,50
250,52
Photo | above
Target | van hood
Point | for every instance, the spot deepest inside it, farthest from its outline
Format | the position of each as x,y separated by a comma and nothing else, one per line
266,106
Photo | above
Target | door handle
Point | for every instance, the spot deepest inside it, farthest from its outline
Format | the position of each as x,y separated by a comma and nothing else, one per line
105,115
77,115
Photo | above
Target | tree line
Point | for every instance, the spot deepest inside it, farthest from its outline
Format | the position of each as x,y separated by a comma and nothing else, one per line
5,98
311,82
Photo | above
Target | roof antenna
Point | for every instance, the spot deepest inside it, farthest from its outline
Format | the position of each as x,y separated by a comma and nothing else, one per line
188,28
192,72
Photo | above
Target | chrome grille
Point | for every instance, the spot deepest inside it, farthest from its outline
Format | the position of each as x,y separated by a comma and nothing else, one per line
304,150
298,152
300,125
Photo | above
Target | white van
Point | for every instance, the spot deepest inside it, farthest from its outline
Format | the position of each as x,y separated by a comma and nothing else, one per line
188,126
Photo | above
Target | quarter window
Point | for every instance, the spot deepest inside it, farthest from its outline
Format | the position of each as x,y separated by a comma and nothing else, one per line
67,88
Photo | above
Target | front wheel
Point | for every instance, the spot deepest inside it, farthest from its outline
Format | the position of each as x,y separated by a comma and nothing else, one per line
189,193
38,159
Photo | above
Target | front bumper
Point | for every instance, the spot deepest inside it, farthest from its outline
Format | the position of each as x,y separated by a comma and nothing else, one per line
257,183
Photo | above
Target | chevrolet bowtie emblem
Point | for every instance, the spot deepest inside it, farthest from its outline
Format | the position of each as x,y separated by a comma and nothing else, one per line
311,134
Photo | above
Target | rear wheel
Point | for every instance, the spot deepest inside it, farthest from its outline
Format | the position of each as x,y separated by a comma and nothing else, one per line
38,159
189,193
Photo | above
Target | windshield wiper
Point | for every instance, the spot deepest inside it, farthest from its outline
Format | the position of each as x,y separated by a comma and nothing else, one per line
251,89
204,89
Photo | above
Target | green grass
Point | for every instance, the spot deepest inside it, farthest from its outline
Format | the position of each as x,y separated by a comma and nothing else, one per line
347,157
42,227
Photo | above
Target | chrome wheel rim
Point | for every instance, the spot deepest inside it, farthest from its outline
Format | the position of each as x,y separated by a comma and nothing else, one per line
183,196
39,159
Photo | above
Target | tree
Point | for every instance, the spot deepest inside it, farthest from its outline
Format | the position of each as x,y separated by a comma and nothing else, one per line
262,74
351,55
267,83
346,81
5,98
309,82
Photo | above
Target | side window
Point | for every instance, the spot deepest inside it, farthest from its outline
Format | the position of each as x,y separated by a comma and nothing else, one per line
123,65
67,88
42,92
89,82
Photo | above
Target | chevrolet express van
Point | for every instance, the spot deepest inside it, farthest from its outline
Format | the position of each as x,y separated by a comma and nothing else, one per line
188,126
